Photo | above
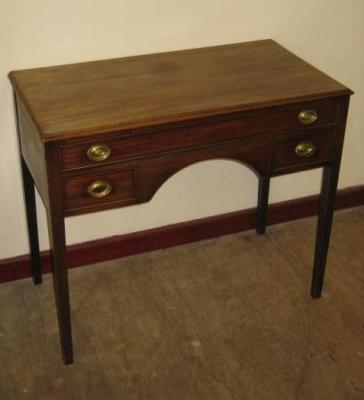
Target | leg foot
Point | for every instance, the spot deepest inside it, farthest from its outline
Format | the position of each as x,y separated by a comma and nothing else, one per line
263,194
326,210
57,238
31,215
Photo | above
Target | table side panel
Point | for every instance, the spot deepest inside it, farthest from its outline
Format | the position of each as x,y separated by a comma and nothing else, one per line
33,150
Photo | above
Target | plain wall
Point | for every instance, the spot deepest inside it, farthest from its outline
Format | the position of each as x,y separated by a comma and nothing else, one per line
327,33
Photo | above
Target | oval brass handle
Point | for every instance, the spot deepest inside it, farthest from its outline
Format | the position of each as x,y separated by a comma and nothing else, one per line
98,152
305,149
99,189
307,117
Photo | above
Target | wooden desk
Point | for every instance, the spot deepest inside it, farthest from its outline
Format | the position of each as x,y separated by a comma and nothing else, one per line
108,134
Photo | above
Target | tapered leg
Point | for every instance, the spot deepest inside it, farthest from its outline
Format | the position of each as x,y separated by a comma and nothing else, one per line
326,208
31,215
263,194
57,238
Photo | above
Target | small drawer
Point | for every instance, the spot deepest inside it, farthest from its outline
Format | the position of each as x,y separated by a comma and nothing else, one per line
157,140
308,148
97,190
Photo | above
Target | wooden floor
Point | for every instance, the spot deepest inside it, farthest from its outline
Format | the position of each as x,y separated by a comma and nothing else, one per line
228,318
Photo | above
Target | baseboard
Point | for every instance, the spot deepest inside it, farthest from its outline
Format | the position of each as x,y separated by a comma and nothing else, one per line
15,268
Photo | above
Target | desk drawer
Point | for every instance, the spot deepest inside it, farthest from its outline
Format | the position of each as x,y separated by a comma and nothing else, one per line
97,190
304,149
157,140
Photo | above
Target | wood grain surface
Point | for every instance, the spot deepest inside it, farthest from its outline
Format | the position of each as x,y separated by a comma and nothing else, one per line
85,98
223,319
122,97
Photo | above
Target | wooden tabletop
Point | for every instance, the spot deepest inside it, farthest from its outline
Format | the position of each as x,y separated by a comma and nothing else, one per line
100,96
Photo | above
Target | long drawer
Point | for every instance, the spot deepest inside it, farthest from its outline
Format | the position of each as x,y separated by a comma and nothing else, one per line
146,142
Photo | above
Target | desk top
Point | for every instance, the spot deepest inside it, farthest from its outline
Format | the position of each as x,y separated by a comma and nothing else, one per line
75,100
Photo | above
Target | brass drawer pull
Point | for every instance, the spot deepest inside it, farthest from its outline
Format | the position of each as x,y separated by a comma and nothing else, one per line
305,149
98,152
98,189
307,117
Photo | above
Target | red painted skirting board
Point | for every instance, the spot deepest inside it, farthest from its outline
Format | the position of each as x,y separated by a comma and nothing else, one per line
109,248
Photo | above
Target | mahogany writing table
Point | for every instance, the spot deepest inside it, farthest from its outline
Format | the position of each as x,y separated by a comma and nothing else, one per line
107,134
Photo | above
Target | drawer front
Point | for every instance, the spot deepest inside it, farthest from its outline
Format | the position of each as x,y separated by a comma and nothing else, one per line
149,141
97,190
304,149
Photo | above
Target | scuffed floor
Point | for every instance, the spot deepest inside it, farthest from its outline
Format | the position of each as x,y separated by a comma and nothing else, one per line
228,318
